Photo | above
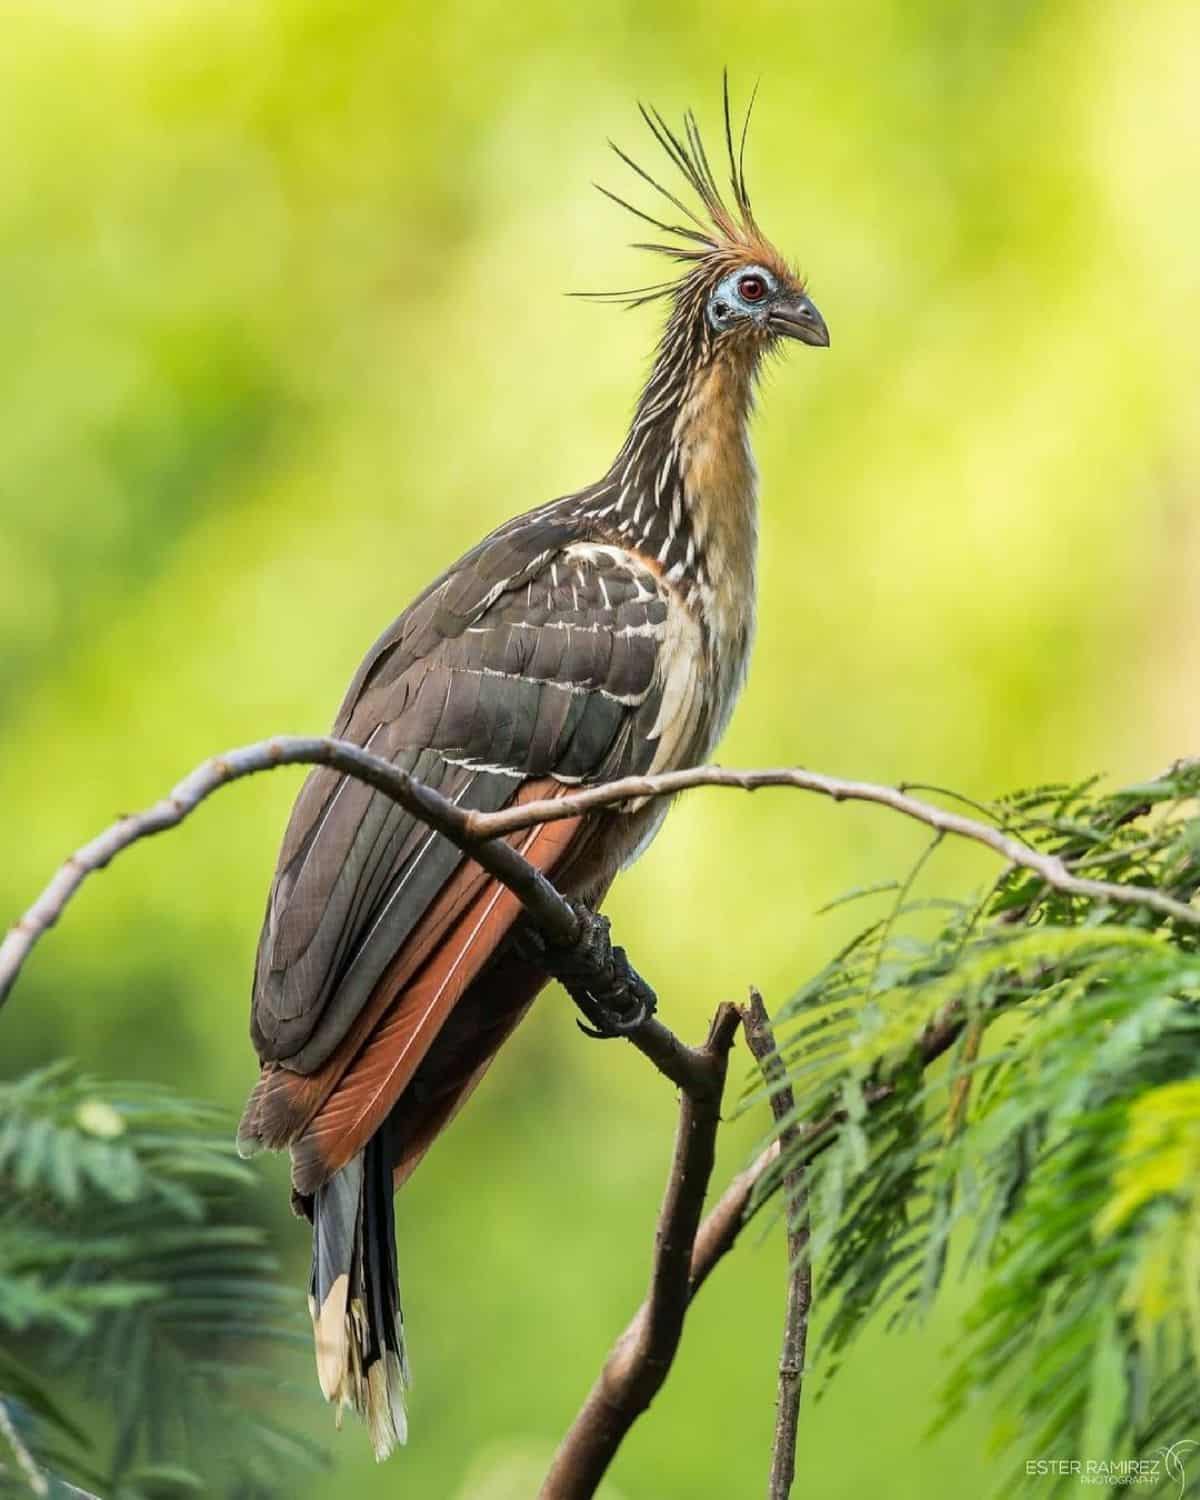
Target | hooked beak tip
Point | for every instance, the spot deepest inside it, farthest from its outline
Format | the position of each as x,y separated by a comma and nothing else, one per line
799,319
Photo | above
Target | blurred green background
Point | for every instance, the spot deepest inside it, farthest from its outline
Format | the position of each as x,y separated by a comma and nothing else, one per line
283,332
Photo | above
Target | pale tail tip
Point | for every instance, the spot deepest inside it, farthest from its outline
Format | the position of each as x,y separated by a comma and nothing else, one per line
386,1416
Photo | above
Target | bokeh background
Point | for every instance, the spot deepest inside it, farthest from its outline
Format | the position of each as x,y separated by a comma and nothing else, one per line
283,331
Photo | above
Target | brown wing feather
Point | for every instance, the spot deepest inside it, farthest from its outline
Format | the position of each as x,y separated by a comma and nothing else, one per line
284,1101
361,1087
482,1022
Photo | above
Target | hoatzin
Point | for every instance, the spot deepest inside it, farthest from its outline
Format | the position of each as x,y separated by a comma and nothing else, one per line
603,634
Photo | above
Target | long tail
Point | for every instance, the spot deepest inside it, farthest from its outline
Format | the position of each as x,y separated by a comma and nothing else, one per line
354,1296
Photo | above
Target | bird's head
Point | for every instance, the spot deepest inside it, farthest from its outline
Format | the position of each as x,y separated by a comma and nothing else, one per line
735,294
758,299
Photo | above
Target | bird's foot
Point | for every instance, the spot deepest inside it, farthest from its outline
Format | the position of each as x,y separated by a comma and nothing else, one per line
612,995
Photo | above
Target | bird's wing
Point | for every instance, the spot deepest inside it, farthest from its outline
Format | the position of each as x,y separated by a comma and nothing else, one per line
535,663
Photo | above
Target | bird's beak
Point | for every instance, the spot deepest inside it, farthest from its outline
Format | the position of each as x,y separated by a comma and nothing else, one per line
797,318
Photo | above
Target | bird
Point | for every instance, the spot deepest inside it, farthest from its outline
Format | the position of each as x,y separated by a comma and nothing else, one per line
604,634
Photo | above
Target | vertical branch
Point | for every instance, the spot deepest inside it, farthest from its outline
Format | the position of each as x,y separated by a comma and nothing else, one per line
761,1040
642,1356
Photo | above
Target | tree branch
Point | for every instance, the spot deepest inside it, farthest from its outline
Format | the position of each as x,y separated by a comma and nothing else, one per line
642,1356
35,1480
667,783
739,1202
761,1040
716,1236
687,1250
478,834
553,915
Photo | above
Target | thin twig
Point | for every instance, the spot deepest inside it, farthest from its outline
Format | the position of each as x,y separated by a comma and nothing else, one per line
735,1208
960,1093
641,1358
474,831
665,784
936,1038
760,1038
25,1461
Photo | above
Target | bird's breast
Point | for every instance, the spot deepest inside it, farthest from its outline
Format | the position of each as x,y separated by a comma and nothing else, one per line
703,659
720,490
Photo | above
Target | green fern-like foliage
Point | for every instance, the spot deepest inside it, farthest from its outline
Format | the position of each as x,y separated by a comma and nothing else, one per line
1054,1152
137,1301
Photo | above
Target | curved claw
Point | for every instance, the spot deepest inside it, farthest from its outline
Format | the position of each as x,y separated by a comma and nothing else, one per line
601,1024
613,1025
614,998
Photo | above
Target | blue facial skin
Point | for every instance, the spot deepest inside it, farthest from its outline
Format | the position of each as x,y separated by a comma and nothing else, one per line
726,305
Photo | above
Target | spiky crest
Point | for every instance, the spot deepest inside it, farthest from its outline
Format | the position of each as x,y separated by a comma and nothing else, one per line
707,243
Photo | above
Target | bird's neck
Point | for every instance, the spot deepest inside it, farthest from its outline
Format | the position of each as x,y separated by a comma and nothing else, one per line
682,493
683,488
718,477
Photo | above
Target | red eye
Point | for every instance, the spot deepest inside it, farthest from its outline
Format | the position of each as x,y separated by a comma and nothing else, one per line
752,288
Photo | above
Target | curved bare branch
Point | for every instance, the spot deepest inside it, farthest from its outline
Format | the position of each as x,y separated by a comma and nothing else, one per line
667,783
481,834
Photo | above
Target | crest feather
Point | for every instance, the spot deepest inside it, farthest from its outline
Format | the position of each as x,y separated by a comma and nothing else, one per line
719,233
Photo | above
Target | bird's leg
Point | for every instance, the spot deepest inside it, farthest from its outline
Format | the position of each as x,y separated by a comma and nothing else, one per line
612,995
